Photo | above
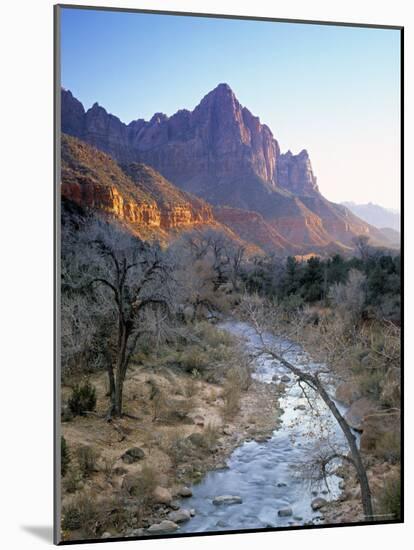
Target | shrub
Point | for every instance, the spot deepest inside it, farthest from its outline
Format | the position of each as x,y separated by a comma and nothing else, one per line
178,448
169,410
81,513
231,396
141,485
73,480
389,447
83,399
370,383
108,466
191,386
87,460
64,456
238,379
146,484
211,435
389,501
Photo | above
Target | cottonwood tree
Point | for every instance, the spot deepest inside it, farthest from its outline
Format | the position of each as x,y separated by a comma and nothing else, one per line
205,263
124,278
223,256
264,320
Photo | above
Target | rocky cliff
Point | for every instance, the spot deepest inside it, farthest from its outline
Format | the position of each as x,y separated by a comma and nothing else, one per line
294,173
222,153
138,197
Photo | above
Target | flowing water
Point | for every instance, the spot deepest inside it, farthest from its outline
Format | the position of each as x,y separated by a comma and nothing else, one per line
269,476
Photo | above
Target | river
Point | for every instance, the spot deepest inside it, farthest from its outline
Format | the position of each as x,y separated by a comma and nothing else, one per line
269,476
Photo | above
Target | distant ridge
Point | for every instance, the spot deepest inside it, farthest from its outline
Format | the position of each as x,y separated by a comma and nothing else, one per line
376,215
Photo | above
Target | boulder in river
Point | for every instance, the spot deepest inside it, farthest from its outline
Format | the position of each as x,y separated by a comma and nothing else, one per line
227,499
165,526
318,503
179,516
185,492
285,512
285,378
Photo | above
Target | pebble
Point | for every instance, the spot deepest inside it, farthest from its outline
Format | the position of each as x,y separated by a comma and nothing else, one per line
285,512
227,499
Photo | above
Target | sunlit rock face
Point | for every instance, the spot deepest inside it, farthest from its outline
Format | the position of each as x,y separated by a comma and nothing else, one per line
138,195
222,153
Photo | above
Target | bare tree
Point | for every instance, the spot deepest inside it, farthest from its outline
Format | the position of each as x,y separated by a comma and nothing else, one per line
361,244
127,278
350,297
263,320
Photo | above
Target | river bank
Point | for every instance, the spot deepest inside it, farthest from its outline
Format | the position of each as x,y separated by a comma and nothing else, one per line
194,419
215,472
270,480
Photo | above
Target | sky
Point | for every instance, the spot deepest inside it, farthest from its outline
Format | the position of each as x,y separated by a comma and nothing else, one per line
332,90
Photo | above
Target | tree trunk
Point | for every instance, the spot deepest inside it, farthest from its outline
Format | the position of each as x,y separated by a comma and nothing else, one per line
111,390
356,455
121,367
118,396
314,383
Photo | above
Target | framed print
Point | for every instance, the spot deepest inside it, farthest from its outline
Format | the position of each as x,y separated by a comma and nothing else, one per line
228,274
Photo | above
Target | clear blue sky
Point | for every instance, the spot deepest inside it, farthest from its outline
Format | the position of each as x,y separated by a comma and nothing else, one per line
332,90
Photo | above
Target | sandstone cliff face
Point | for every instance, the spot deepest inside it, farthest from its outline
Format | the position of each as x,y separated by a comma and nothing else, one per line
110,201
93,180
222,153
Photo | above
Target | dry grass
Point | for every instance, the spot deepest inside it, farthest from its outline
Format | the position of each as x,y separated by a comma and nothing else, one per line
238,379
211,434
87,458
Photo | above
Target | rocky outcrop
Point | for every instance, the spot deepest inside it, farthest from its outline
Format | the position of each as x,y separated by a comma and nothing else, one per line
294,173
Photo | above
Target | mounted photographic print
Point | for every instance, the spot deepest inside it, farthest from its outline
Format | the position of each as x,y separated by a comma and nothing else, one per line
228,274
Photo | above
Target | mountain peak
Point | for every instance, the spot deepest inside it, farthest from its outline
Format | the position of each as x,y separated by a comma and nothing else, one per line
223,87
221,93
